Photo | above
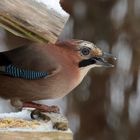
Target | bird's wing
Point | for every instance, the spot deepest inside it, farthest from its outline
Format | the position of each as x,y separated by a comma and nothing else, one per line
31,62
8,41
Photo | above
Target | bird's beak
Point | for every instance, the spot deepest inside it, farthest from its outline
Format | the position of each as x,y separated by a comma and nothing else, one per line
98,59
101,60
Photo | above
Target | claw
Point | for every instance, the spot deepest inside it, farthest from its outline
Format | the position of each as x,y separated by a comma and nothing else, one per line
38,115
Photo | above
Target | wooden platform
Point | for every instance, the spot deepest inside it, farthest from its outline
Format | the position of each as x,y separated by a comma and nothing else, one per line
20,126
56,135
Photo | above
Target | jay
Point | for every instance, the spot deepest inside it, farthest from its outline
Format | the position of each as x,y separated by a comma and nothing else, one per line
38,71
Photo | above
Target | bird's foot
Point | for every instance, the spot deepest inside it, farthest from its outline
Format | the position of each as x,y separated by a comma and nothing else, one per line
38,115
42,108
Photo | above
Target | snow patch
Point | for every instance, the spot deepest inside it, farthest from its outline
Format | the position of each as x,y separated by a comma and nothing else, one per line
54,5
25,115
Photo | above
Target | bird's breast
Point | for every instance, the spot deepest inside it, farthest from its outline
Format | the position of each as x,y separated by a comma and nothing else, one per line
62,83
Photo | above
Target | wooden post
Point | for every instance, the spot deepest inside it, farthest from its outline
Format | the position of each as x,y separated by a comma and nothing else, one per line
38,21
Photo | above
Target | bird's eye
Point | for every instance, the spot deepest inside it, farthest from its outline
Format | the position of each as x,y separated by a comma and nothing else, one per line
85,51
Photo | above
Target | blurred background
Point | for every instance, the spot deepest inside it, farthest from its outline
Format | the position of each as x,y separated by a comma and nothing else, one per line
106,106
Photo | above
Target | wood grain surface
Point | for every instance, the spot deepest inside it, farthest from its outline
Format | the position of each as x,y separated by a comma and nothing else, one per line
31,19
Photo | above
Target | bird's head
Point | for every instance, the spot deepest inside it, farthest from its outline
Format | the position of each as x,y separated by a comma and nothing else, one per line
86,55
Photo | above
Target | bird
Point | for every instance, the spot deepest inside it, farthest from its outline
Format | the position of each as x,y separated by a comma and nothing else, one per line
47,71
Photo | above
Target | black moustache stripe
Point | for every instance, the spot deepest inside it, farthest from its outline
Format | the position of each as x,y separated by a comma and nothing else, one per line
87,62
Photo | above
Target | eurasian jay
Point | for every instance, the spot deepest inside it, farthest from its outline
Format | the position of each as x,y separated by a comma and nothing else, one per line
38,71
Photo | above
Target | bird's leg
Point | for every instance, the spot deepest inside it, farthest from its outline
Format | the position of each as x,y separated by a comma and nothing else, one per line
41,107
17,103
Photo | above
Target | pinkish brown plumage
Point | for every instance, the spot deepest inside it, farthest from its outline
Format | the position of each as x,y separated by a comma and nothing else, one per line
66,62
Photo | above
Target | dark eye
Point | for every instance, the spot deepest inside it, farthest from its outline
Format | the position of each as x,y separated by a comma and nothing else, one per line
85,51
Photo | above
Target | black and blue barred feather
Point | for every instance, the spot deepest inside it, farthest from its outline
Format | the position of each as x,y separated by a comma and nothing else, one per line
14,71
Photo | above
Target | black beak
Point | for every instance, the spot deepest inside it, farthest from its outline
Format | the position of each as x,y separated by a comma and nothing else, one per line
109,55
101,61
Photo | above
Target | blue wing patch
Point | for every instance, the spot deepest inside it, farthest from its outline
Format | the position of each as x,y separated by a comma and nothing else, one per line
14,71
